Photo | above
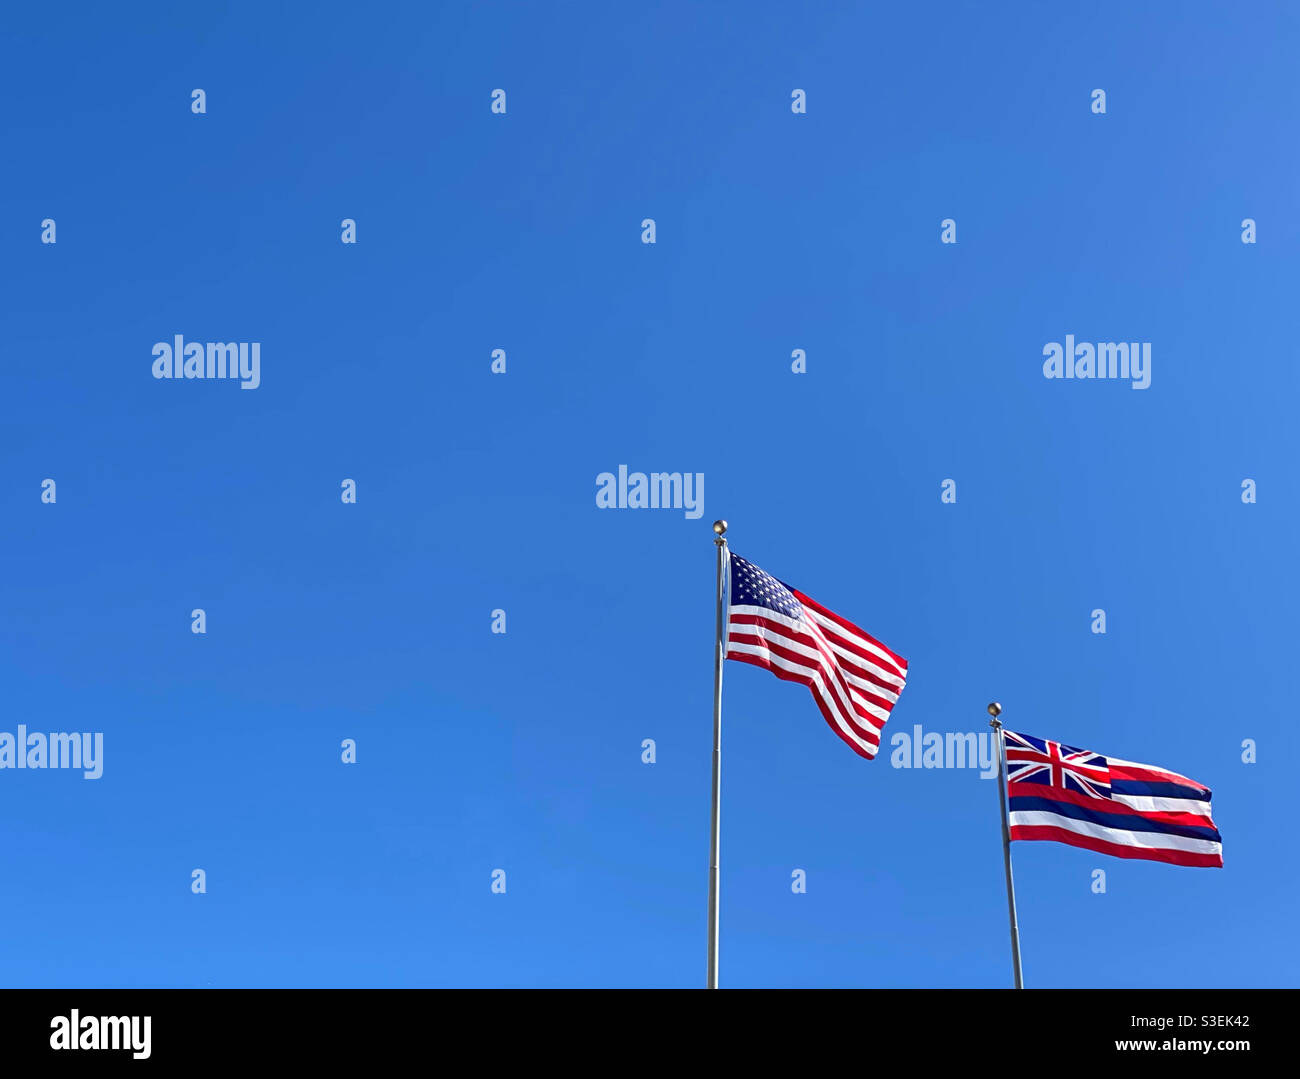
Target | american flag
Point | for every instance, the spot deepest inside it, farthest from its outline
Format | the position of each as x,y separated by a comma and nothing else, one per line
854,679
1103,804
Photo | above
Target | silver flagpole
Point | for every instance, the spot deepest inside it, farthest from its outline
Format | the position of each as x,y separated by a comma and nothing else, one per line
719,529
995,710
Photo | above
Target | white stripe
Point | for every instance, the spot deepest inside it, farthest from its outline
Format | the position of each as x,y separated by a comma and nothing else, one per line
819,657
833,700
895,672
870,687
889,673
810,626
799,626
1143,840
1146,804
808,650
812,674
844,728
848,657
770,615
1174,777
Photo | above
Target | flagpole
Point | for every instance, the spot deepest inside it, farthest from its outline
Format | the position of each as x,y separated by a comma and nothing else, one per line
719,530
995,710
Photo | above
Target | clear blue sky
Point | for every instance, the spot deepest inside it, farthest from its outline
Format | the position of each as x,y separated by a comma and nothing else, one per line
522,231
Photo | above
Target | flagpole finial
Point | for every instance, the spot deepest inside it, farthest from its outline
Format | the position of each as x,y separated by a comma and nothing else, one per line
719,527
995,710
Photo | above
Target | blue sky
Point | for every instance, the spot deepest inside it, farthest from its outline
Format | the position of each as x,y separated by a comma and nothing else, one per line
522,231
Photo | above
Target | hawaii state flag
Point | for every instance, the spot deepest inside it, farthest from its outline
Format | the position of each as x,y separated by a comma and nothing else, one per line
1074,796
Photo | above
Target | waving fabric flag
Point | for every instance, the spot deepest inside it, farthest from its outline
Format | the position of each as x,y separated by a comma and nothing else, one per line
1069,795
854,678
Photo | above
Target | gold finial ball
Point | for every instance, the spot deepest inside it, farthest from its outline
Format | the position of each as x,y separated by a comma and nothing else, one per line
719,527
995,709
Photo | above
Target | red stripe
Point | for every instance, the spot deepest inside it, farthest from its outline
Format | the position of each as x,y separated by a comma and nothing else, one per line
803,680
829,716
1102,846
861,670
806,661
827,713
1104,805
810,641
839,661
1146,773
846,624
